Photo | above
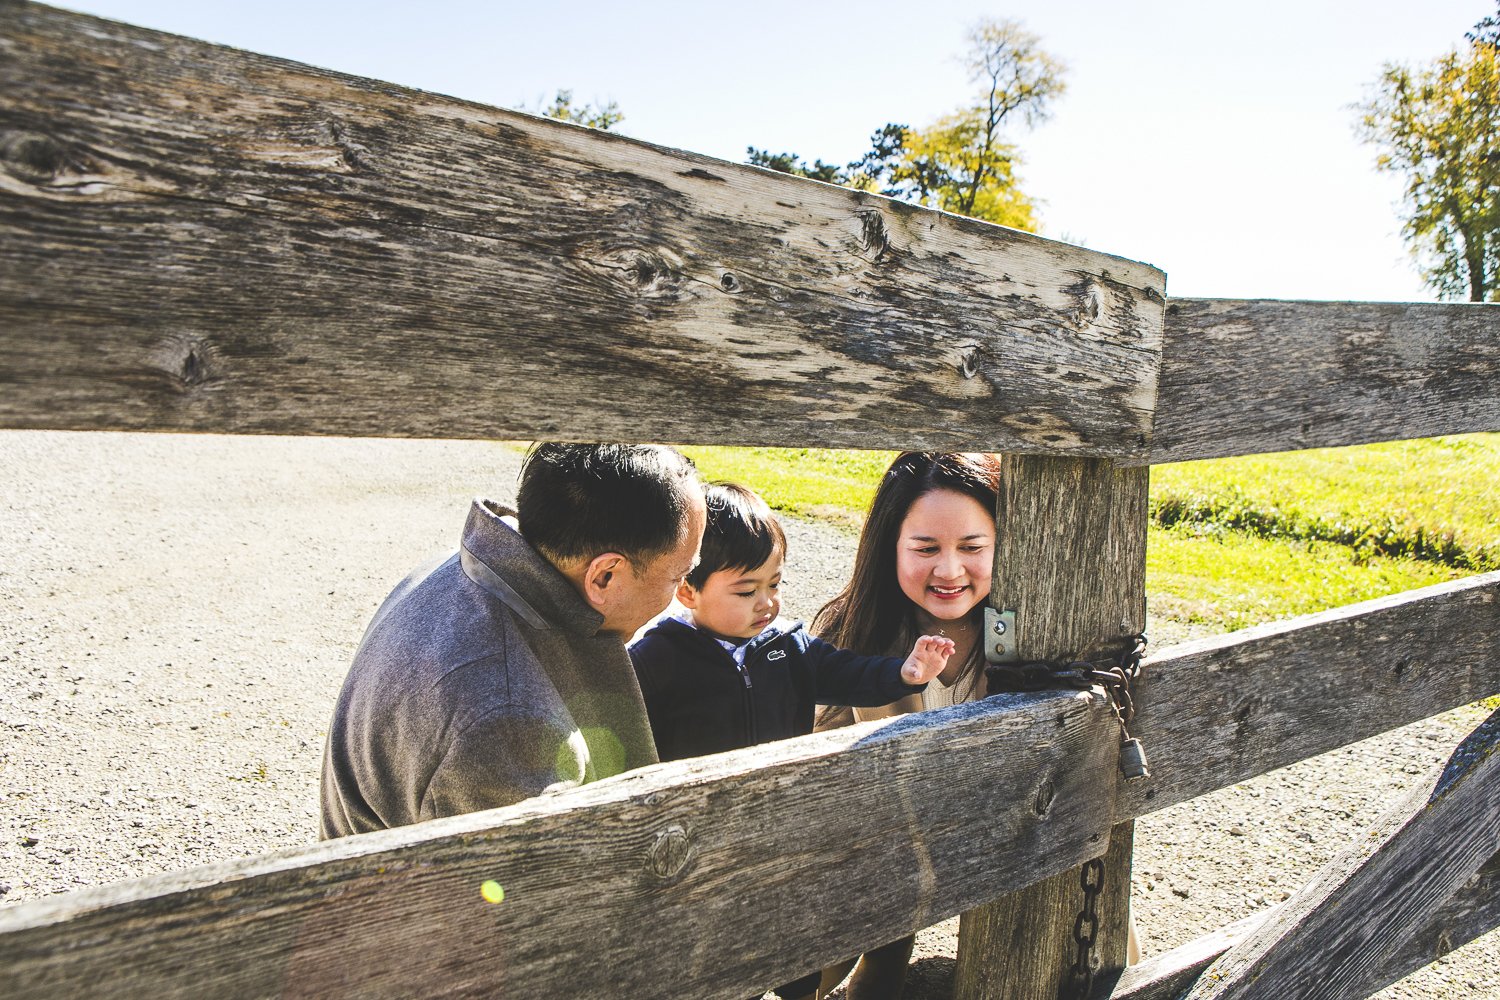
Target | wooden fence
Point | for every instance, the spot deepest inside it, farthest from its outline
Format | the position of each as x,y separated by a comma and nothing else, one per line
200,239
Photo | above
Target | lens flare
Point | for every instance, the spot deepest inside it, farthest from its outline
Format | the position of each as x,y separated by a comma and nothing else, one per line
606,752
588,754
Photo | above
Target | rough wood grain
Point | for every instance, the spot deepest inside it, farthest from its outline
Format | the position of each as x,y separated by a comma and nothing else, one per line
1247,377
1070,559
1239,705
1471,911
194,238
684,879
1328,940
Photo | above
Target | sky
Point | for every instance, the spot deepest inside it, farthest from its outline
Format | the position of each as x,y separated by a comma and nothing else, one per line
1215,141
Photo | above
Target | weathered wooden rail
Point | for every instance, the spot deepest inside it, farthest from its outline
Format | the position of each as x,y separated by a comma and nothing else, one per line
199,239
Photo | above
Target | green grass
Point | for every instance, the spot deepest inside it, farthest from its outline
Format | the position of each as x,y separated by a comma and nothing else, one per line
1436,500
1244,540
1228,580
822,483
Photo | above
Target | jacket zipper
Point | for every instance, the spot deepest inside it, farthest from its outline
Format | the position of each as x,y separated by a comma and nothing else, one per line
754,737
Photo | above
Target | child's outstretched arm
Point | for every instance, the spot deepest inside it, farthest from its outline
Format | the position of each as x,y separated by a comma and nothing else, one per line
928,658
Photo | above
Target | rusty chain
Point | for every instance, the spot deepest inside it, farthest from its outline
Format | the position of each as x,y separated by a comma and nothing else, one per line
1117,675
1086,929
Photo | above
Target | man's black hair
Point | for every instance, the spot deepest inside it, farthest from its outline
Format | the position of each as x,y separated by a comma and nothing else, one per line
577,501
741,532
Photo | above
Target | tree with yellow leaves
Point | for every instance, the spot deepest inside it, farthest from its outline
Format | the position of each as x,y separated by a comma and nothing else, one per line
963,162
1439,126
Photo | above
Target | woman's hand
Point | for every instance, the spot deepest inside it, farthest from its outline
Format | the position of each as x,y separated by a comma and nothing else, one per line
928,658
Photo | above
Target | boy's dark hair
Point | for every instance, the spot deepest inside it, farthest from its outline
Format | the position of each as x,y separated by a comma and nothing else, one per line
741,532
576,501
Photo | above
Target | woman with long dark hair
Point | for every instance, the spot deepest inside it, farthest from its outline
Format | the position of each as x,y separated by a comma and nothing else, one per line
923,567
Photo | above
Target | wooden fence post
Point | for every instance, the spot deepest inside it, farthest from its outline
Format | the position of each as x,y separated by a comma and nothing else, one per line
1070,558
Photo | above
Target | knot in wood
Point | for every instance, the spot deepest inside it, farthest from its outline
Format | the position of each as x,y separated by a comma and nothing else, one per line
1091,304
968,362
1046,793
1244,715
874,239
194,372
32,157
644,272
670,853
1088,302
353,155
188,359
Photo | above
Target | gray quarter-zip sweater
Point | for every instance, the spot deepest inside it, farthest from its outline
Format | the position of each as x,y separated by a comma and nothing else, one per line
481,681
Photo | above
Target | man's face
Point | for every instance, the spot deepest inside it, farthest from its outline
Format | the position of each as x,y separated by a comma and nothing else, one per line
642,595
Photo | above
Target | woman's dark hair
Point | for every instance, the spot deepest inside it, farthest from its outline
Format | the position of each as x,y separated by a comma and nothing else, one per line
576,501
871,615
741,532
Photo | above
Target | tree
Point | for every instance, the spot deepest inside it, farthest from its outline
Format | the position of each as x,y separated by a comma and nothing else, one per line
960,163
954,166
1487,31
791,163
604,117
1439,125
1016,78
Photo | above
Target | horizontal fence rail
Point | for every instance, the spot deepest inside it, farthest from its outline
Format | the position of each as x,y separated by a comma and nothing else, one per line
1247,377
198,238
933,814
256,246
1235,706
711,862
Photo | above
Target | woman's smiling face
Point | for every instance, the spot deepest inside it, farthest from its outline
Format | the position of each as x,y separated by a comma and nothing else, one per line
945,553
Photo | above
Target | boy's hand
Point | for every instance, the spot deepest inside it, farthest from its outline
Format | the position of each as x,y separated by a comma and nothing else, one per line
928,658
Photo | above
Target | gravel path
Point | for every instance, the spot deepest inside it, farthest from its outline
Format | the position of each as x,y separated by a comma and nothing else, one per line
180,611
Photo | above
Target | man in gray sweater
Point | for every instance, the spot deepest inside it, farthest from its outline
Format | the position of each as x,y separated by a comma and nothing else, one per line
501,672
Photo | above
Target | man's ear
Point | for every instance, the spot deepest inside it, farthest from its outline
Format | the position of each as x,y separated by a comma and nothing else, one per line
687,595
602,573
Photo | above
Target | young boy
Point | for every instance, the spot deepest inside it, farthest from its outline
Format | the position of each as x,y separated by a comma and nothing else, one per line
727,672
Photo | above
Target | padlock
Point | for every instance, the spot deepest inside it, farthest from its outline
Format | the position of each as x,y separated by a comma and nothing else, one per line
1133,760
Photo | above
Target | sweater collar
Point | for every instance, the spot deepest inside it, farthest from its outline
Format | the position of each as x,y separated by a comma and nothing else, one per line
499,560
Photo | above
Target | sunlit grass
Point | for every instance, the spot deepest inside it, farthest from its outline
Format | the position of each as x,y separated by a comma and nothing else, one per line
821,483
1228,580
1436,499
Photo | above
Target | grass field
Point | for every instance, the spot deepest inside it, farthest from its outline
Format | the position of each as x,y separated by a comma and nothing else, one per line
820,483
1238,541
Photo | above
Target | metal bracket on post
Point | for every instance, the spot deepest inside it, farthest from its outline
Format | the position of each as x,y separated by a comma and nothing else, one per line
1000,636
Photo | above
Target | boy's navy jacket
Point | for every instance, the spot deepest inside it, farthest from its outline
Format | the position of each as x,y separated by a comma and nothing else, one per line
699,702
